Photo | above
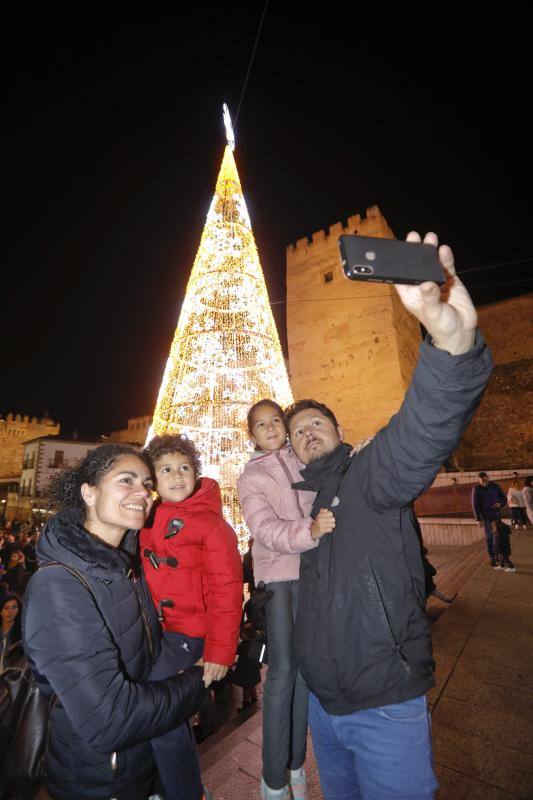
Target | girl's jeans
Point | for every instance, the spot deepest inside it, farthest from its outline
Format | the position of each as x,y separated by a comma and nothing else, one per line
285,696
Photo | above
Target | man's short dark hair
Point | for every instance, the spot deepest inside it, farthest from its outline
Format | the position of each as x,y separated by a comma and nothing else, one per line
482,475
303,405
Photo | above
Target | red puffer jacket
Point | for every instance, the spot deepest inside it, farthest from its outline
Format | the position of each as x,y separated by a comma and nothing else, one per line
199,572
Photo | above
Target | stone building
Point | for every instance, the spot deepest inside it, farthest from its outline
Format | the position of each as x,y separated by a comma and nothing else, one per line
135,433
501,434
15,430
44,458
351,344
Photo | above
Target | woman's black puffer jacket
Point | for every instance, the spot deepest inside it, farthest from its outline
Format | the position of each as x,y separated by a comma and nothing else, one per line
95,653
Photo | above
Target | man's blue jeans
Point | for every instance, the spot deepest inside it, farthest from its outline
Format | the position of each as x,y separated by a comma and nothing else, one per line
380,753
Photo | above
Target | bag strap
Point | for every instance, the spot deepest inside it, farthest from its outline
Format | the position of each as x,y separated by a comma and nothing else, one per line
83,580
73,571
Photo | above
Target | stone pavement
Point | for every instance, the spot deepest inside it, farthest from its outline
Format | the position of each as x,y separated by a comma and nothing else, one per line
482,704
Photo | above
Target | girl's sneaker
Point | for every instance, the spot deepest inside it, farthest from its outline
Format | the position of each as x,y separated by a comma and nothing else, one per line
274,794
298,784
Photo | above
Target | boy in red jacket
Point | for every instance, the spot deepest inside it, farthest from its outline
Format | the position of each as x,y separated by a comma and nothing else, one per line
194,573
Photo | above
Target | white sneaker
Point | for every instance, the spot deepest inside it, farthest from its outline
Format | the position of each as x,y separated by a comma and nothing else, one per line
298,784
274,794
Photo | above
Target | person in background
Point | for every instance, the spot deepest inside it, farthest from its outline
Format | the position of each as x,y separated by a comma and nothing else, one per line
527,493
16,576
248,567
247,673
488,499
517,504
10,631
502,545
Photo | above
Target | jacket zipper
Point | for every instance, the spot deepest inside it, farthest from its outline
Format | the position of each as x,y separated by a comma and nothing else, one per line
289,476
384,607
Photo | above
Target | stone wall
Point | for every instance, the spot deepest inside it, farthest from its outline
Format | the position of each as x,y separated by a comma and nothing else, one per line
14,431
135,433
501,433
352,344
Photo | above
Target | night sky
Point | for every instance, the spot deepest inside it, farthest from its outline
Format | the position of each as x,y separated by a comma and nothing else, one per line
112,139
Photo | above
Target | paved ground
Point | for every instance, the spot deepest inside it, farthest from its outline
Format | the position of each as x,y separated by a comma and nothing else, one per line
482,704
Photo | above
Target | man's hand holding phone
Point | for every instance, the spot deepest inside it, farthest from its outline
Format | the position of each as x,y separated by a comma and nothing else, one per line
451,322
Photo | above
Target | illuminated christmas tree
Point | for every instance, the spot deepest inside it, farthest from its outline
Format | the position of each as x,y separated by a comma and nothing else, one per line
226,353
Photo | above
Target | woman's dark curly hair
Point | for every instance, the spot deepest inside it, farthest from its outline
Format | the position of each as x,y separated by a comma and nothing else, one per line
65,488
15,634
174,443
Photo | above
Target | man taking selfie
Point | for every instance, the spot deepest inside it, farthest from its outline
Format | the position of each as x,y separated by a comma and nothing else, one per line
363,641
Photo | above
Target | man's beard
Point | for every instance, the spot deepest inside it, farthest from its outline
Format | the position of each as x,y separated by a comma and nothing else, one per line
316,454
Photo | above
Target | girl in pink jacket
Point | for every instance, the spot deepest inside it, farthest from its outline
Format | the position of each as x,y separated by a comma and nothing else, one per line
278,519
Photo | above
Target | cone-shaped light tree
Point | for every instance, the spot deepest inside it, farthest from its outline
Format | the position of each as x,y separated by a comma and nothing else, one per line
226,353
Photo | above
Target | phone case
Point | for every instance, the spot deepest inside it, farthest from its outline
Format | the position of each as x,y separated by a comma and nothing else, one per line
366,258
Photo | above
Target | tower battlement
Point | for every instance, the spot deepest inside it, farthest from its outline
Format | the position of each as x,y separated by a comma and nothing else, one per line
373,224
15,429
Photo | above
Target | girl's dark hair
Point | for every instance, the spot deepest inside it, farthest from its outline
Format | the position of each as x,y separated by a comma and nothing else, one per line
65,488
16,629
265,402
174,443
528,480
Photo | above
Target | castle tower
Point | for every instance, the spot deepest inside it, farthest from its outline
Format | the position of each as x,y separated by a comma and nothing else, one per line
15,430
226,353
352,345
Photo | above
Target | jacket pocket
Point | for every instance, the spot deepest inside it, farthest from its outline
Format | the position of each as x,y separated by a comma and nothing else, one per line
388,622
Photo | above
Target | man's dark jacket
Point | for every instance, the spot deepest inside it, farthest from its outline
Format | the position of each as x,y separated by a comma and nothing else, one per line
362,637
96,653
484,500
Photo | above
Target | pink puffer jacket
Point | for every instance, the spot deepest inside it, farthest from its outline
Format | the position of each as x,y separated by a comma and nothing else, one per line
276,515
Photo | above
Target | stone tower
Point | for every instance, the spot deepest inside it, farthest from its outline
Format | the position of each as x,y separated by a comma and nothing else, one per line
15,430
352,345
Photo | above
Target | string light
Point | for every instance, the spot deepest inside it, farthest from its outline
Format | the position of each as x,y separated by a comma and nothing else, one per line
226,353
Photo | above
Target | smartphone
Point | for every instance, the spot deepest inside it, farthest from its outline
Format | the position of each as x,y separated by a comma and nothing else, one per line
366,258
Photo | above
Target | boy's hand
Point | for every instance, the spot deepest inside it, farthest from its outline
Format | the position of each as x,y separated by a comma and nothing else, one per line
213,672
324,522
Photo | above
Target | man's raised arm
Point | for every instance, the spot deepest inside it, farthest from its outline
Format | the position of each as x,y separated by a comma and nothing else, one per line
452,372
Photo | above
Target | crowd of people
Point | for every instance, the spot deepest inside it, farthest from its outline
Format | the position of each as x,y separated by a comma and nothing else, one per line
126,631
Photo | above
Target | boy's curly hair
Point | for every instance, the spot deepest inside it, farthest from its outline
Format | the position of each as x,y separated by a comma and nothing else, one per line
174,443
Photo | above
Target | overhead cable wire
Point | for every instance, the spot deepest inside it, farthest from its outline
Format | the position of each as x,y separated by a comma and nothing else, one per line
245,84
495,266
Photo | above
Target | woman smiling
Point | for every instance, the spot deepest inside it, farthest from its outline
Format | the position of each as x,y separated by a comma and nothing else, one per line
91,634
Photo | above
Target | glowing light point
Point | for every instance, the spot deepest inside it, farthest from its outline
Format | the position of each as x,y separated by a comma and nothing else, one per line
230,136
226,353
